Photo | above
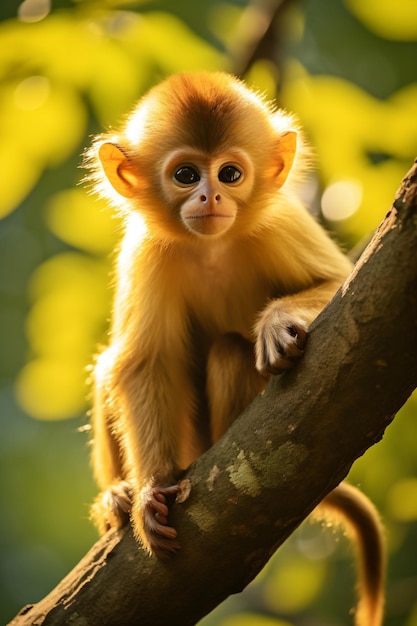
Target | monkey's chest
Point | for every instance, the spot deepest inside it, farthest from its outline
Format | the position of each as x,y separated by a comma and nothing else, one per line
223,301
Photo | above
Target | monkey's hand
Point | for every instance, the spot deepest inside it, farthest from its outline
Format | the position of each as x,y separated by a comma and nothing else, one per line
150,521
280,339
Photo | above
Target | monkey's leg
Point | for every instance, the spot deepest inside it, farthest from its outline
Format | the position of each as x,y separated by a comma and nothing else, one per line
155,400
111,507
349,506
232,381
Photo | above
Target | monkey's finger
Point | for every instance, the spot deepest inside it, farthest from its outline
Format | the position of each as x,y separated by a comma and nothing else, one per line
162,539
169,491
165,531
161,519
162,493
153,527
159,507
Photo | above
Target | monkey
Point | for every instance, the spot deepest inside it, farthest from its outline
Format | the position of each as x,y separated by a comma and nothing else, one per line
219,274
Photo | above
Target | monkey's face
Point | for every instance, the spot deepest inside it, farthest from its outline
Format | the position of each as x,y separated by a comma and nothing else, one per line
201,156
207,190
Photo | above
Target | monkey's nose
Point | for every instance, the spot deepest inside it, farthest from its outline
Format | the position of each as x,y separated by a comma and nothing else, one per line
205,198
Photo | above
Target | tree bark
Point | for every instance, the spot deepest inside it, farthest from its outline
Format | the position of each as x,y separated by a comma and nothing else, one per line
293,445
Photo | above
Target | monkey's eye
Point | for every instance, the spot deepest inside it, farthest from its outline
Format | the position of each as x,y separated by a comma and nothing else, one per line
187,175
229,174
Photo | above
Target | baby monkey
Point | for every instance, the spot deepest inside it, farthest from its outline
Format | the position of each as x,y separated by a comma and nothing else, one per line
214,291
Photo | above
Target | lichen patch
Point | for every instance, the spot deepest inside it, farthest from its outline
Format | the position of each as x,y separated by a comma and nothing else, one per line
243,477
202,517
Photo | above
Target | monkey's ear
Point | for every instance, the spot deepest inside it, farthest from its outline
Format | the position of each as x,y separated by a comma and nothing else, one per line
286,153
119,169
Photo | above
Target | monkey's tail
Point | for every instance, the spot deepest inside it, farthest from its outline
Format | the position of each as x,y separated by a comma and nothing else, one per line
348,505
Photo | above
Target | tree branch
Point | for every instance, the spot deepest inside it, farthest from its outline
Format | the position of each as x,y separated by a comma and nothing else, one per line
259,35
294,444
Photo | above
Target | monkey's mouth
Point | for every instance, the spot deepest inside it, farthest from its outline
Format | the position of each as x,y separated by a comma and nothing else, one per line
209,223
209,215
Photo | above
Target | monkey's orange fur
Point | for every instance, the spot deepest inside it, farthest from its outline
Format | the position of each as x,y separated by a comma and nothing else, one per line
216,295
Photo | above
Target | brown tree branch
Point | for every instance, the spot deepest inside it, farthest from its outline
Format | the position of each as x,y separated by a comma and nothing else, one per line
258,35
293,445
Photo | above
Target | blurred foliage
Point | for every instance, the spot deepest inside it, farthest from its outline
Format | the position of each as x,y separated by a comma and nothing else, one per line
71,68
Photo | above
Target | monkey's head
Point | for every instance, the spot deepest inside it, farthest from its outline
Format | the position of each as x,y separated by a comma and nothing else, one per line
200,155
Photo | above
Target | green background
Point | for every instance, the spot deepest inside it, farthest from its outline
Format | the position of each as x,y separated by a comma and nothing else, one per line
348,70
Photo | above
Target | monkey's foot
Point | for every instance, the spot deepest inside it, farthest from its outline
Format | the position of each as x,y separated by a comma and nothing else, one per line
280,341
111,508
161,539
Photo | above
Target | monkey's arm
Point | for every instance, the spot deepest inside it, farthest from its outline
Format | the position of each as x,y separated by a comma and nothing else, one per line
308,269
